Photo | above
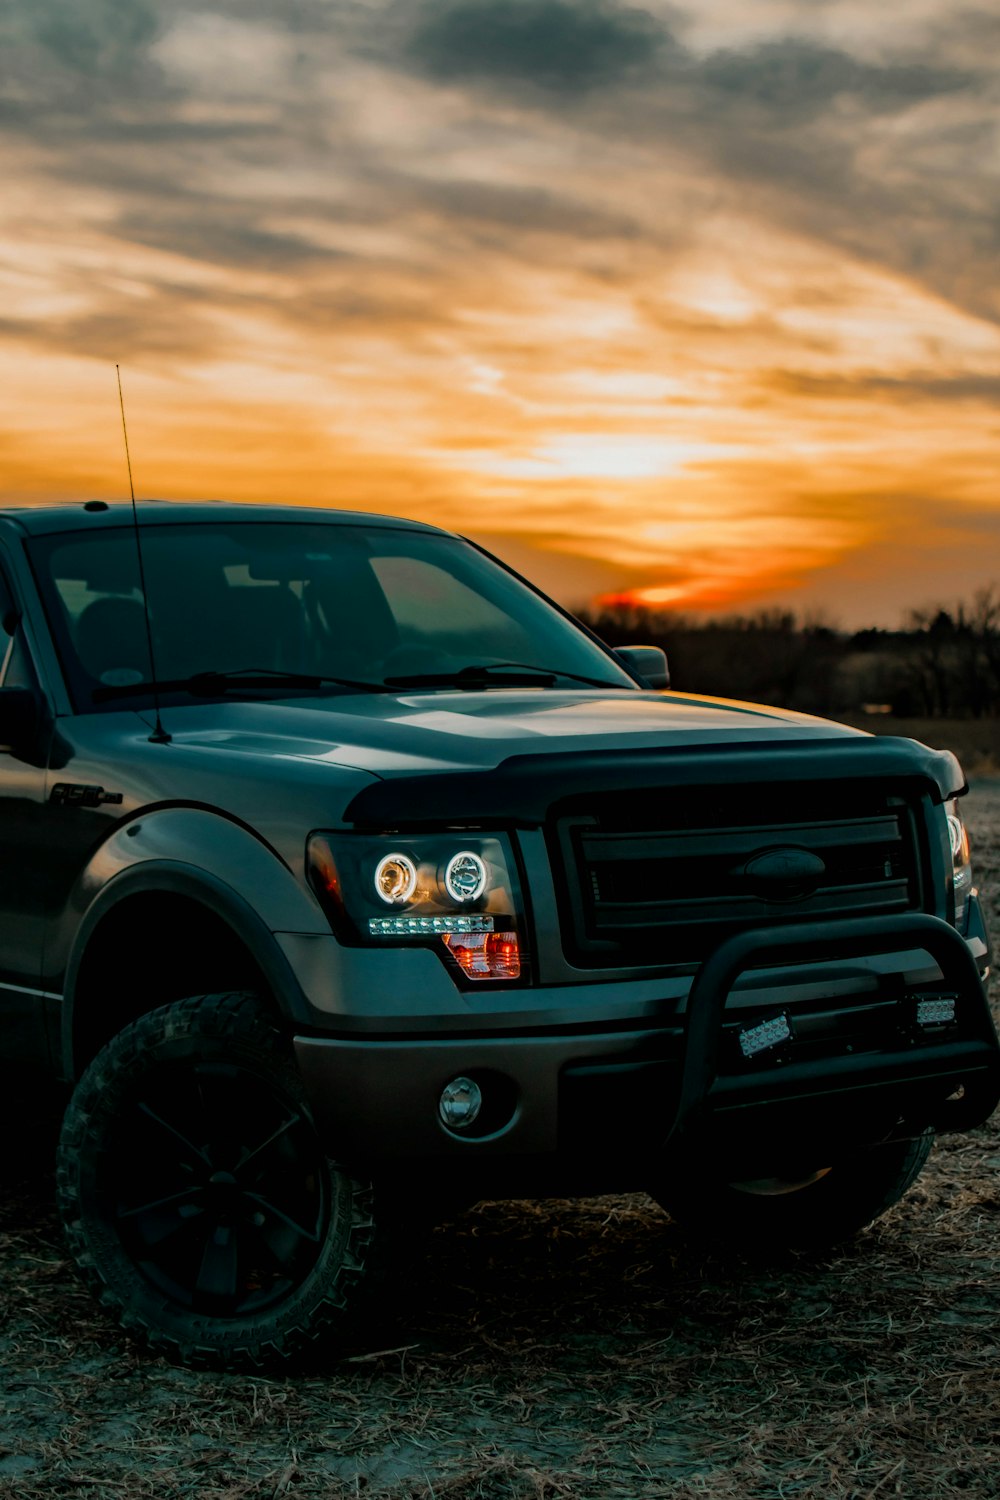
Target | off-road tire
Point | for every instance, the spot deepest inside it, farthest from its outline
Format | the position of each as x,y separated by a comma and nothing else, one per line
198,1202
767,1218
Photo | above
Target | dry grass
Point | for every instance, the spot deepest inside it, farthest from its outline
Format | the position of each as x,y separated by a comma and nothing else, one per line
553,1350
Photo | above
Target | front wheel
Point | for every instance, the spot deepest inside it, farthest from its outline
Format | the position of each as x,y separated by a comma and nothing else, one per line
808,1212
196,1194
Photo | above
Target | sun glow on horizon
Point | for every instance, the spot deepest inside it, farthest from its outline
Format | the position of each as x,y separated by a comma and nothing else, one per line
588,455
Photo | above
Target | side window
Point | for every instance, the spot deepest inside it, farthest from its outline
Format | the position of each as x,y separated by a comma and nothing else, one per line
14,670
101,608
8,626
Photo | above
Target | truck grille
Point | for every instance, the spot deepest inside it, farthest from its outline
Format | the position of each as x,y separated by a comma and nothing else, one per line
662,877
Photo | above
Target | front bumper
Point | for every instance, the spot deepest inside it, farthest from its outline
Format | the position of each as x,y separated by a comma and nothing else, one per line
598,1103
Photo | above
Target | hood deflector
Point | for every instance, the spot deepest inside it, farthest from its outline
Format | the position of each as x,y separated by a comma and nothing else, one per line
522,789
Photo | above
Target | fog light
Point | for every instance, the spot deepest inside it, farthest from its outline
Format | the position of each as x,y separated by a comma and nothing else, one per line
460,1103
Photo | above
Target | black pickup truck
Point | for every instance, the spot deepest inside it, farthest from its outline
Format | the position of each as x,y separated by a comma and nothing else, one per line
346,877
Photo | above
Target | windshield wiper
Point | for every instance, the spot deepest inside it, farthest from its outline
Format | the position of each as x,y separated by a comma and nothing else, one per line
498,674
208,684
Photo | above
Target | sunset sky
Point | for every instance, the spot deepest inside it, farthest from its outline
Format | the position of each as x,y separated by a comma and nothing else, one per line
693,303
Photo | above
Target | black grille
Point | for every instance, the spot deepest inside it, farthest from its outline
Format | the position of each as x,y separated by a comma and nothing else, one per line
661,877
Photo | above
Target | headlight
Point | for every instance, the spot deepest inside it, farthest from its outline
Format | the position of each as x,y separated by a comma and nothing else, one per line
465,876
457,893
961,863
395,879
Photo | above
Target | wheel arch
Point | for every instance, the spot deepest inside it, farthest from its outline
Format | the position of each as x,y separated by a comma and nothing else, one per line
143,942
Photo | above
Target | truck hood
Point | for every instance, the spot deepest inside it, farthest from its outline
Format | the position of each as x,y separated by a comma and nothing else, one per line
419,732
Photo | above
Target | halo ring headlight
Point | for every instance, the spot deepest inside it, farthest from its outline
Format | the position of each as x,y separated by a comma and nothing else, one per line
465,876
396,879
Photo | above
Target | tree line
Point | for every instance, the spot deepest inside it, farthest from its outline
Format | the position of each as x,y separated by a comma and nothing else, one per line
944,662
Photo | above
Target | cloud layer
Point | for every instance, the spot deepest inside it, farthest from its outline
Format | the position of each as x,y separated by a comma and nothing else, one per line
701,300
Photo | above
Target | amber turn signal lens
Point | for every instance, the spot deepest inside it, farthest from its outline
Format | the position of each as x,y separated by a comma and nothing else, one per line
324,871
486,955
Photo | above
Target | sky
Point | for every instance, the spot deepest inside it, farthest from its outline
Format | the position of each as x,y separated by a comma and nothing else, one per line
692,305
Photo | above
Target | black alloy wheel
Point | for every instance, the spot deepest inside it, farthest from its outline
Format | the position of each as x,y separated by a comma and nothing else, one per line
197,1196
217,1187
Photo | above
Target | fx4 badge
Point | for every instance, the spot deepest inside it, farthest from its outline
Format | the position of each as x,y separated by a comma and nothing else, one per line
72,794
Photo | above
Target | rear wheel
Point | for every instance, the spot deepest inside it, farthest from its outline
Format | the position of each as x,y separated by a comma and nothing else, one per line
197,1197
808,1211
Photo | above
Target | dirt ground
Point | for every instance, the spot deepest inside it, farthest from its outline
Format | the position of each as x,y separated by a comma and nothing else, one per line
553,1349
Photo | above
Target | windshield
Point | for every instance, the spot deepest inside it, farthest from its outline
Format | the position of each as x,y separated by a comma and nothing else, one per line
356,606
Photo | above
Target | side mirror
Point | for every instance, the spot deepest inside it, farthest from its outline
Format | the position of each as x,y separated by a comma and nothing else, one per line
18,717
647,662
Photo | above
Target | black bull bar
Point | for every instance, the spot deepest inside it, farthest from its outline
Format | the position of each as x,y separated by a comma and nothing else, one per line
971,1061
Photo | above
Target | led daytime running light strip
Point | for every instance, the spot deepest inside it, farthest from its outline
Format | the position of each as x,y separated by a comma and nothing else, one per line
417,926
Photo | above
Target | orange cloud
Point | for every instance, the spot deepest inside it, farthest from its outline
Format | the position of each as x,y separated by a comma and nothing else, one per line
664,304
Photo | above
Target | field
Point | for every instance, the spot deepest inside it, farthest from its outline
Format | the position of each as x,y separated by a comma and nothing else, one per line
555,1349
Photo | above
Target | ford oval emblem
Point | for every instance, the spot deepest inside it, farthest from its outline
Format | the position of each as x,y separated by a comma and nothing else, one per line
784,874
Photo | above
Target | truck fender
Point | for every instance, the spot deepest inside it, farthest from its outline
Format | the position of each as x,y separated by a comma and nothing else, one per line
203,839
211,860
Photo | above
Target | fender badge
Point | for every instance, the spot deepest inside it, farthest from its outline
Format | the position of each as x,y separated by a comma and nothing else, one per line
73,794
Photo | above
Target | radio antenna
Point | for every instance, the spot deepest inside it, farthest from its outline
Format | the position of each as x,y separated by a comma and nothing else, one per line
159,735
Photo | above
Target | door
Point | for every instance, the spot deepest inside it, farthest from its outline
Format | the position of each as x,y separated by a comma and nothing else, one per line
22,857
